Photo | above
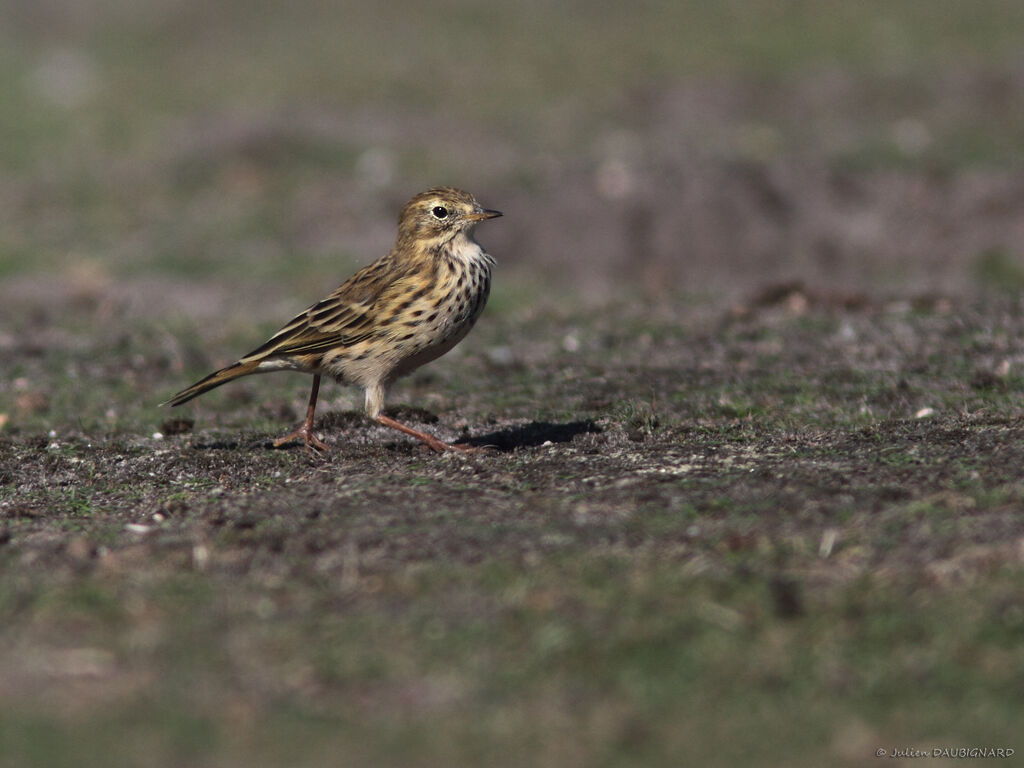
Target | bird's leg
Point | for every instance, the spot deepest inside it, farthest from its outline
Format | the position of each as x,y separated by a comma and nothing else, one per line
431,441
305,432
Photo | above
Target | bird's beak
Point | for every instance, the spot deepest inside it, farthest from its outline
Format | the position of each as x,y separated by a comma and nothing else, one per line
482,214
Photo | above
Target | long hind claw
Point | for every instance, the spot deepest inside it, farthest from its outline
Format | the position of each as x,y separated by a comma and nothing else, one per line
432,442
314,445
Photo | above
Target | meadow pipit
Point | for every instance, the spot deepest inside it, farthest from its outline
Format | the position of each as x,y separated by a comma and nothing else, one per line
388,319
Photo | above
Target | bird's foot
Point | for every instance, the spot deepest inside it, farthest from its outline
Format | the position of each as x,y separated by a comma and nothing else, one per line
314,445
456,447
440,446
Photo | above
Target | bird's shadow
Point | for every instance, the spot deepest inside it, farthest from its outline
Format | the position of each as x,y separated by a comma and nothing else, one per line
531,435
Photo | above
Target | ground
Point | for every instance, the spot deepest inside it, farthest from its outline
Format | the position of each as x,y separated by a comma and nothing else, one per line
780,505
748,391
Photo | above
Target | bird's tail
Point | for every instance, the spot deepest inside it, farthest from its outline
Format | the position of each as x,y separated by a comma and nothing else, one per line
215,379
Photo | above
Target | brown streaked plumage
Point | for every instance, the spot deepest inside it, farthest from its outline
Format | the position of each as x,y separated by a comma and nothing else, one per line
391,317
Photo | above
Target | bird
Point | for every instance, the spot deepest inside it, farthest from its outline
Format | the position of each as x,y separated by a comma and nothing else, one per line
396,314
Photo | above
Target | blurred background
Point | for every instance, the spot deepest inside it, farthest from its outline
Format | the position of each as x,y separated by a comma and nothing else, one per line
179,177
168,149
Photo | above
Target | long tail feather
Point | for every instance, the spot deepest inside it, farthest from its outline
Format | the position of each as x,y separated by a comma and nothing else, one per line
215,379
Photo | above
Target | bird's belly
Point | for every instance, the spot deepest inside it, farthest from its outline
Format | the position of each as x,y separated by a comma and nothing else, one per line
403,347
410,363
366,368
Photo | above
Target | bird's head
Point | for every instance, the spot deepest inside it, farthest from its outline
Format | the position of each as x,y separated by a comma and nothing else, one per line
434,217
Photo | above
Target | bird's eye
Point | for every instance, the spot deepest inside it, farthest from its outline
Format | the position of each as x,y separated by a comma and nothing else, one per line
440,212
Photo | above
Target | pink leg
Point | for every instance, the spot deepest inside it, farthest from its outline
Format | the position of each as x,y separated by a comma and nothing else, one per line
305,432
438,445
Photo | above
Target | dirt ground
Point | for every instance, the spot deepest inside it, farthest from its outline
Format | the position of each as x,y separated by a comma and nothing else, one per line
786,497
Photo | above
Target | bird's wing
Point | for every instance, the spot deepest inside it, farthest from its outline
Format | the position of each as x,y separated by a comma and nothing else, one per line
352,313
